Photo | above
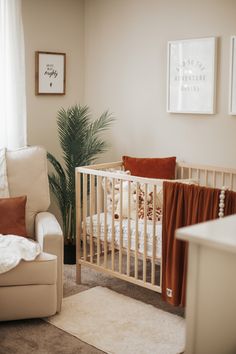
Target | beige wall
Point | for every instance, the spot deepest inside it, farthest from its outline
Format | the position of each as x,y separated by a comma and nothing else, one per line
124,62
55,26
126,54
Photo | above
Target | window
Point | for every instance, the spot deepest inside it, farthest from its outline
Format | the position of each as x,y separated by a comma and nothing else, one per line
12,74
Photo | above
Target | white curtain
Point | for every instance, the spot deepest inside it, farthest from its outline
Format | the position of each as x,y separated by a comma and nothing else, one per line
12,76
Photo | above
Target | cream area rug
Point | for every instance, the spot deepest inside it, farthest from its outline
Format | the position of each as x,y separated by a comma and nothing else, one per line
118,324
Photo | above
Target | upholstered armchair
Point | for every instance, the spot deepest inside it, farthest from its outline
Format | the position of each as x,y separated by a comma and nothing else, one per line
33,288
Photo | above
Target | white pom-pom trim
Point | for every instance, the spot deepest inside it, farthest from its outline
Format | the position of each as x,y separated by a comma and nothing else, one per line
221,202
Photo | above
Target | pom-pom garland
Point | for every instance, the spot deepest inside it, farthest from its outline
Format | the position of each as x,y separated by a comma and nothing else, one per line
221,202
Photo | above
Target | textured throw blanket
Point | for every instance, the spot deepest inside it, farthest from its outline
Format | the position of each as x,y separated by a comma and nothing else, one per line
13,248
184,205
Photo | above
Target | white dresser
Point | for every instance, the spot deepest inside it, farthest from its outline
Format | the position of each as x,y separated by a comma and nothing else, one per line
211,286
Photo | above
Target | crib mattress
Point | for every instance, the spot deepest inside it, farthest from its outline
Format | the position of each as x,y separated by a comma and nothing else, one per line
141,232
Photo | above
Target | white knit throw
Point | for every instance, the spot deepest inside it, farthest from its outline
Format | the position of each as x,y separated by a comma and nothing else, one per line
13,248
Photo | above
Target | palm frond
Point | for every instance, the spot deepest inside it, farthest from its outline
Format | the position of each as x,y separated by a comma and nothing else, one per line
56,164
81,144
102,123
58,191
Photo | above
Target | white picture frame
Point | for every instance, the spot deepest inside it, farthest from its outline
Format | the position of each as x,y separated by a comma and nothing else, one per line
232,73
50,73
191,75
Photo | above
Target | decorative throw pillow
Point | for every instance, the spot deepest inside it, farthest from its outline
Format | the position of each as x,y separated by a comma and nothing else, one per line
12,216
150,213
150,167
159,188
159,197
107,184
125,201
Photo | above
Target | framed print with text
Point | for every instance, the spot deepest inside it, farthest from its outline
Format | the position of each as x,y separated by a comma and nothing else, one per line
232,90
191,76
50,73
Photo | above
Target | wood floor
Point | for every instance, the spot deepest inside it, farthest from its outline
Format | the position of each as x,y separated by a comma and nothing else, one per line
38,337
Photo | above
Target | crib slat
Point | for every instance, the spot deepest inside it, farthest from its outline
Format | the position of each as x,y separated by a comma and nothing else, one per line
206,176
78,227
136,233
85,181
222,179
231,181
190,172
198,175
99,196
128,234
154,234
145,235
92,201
113,226
121,229
105,223
214,179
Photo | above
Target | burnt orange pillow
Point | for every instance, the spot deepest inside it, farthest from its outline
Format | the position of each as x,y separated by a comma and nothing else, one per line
150,167
12,216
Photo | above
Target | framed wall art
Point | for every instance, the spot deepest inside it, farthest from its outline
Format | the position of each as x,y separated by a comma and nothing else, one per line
191,76
232,89
50,73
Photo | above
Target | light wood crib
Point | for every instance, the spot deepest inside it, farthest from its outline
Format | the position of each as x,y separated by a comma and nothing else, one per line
128,247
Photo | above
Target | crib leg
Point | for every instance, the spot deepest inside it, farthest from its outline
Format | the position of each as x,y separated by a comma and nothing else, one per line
78,273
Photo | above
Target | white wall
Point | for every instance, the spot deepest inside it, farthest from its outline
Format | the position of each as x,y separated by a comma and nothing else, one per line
54,26
125,71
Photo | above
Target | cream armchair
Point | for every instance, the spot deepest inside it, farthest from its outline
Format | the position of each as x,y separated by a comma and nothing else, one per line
33,289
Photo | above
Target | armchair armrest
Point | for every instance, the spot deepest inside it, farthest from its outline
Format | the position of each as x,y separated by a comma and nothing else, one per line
50,237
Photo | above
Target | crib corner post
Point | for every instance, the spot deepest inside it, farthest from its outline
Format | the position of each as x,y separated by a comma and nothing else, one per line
78,225
78,273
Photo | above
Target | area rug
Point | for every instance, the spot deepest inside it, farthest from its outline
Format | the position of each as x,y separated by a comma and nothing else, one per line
118,324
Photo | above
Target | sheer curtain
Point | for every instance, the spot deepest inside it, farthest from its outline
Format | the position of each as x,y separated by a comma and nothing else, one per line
12,76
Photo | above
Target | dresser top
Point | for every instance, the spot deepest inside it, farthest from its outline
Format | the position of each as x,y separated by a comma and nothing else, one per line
219,233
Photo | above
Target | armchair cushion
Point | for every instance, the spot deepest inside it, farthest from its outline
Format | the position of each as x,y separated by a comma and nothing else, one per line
40,271
27,174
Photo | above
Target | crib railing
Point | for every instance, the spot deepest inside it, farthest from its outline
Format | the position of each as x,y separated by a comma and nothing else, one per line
121,247
209,176
112,253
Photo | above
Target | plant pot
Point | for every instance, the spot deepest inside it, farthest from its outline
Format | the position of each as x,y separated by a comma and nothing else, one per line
69,254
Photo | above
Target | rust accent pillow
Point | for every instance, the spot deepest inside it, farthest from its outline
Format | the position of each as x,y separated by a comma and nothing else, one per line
12,216
150,167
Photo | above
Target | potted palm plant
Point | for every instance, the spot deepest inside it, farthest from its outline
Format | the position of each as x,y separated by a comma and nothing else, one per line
81,143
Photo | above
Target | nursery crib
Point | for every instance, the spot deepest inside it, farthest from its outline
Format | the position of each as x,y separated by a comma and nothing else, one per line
119,219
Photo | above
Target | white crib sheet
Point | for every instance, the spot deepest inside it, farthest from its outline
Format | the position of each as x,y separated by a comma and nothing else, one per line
158,233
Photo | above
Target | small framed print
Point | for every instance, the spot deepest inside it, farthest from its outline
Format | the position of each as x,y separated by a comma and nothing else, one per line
232,90
50,73
191,76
